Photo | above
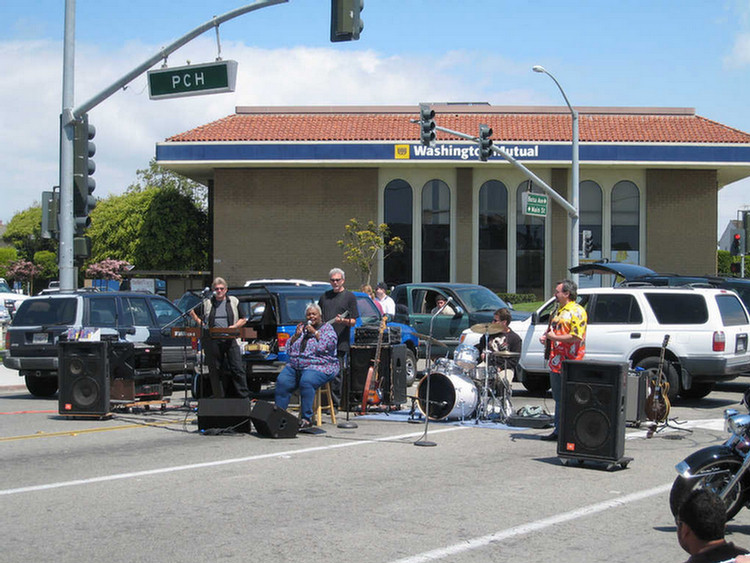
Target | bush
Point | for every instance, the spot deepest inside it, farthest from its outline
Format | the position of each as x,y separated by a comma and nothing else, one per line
514,298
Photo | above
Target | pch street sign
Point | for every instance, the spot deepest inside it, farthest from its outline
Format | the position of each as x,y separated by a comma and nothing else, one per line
192,80
534,204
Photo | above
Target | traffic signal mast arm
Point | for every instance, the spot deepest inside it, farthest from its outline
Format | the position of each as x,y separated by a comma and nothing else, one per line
572,211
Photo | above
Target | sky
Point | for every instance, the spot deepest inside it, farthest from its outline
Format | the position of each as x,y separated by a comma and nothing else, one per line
631,53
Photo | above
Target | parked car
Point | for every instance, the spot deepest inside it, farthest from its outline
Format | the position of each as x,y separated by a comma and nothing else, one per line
469,305
41,322
708,329
275,309
9,298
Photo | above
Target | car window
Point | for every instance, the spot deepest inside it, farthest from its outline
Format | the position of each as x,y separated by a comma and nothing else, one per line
675,308
136,311
420,304
480,299
252,310
367,310
743,290
4,287
102,312
620,309
294,308
46,312
165,311
731,310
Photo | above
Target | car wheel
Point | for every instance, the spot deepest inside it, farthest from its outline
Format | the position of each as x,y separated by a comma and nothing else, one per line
697,390
651,364
411,368
536,384
41,386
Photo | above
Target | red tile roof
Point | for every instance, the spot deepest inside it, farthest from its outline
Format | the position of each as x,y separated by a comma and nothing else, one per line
535,124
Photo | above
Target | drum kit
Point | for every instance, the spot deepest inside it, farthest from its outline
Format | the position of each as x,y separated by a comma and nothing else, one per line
462,388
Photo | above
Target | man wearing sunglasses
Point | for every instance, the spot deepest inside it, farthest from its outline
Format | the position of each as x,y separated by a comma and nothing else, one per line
339,306
222,311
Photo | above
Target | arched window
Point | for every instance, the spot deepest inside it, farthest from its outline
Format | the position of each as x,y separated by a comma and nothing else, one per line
493,235
397,213
529,247
590,204
626,203
436,223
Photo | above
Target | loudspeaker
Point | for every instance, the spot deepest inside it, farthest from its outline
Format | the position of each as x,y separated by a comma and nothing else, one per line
635,402
592,419
392,365
272,421
225,415
83,377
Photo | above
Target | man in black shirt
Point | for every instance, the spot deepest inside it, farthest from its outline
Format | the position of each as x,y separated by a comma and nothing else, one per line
339,305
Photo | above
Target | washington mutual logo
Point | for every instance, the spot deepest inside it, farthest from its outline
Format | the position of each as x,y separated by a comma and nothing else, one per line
461,152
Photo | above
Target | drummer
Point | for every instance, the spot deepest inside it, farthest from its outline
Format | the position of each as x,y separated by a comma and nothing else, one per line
502,339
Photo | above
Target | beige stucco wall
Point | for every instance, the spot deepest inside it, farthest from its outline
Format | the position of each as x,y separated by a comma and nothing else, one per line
285,222
681,215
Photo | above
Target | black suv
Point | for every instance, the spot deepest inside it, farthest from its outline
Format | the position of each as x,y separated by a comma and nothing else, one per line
43,321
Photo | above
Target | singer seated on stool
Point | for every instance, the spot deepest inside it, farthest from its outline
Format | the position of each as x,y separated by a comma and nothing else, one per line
312,362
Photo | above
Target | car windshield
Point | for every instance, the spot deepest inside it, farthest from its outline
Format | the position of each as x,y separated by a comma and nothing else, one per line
42,312
480,298
368,312
4,287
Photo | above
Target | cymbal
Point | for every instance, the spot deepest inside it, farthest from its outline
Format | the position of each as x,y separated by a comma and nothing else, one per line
488,328
506,354
428,338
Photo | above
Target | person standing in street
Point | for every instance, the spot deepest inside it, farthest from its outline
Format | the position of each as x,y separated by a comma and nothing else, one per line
386,302
339,306
222,311
567,340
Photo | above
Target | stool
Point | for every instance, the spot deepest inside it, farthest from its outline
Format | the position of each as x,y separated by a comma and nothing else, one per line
318,407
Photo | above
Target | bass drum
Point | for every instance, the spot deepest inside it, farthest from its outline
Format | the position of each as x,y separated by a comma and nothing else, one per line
452,396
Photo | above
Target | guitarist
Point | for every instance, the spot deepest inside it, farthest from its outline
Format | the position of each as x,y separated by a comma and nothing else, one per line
339,307
567,335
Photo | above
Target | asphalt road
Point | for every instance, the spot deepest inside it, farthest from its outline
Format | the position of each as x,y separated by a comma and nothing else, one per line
146,486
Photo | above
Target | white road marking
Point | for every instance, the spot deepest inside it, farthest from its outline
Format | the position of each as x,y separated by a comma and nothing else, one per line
523,529
285,454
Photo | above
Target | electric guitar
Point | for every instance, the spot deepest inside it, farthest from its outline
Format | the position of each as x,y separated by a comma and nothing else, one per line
547,341
370,395
657,401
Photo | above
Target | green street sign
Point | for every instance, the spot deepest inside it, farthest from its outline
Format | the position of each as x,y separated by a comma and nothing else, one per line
192,80
534,204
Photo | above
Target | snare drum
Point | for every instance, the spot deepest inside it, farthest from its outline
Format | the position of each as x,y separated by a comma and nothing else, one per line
466,356
447,367
452,396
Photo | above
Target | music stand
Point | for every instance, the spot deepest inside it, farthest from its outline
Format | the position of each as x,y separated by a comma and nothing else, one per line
347,423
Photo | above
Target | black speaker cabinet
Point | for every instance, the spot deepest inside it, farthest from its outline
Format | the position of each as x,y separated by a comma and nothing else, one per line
272,421
83,378
592,419
392,365
224,415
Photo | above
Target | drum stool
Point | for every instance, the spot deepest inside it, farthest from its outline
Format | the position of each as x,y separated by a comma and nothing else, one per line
318,407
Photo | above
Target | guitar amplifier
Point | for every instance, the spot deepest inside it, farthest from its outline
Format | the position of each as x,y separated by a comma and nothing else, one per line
366,335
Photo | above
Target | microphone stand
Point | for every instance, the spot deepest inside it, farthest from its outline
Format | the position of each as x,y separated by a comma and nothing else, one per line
423,441
347,423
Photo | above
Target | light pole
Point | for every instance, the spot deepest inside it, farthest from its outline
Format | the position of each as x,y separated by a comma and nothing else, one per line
574,188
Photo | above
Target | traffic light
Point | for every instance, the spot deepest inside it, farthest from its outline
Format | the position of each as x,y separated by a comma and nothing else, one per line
485,143
83,168
50,211
346,20
588,243
738,248
734,268
426,125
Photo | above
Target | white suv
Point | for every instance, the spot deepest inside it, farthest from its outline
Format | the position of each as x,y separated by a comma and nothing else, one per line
708,330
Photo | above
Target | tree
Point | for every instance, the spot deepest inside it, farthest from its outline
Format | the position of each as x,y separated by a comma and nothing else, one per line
24,232
362,244
46,261
23,270
108,269
8,254
157,177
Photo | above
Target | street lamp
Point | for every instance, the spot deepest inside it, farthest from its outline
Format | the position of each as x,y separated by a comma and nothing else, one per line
575,188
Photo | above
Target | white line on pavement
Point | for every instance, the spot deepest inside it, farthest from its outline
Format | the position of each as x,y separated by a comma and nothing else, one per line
286,453
476,543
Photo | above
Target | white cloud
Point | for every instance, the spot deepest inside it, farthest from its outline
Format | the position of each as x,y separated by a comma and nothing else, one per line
740,53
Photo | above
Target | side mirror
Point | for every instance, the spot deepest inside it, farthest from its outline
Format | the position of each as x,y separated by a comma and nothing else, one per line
534,318
130,330
459,311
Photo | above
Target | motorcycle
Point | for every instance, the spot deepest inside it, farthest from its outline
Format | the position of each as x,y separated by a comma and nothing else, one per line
723,469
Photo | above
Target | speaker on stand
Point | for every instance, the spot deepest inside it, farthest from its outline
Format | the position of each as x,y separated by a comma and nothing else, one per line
592,417
83,376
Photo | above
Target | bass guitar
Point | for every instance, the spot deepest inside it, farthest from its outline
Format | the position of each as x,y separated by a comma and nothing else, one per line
657,400
370,395
547,341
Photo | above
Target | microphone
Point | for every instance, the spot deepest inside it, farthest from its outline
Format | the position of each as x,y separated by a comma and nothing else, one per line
206,292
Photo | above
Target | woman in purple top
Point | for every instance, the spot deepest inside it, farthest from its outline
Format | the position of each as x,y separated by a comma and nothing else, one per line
312,363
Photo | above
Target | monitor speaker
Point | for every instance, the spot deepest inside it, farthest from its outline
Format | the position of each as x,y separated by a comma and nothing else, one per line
224,415
272,421
83,377
592,419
